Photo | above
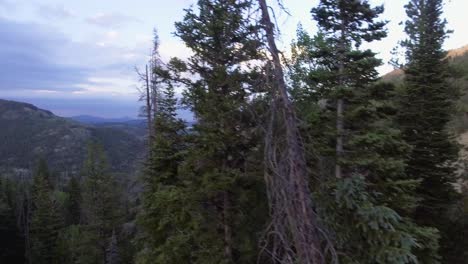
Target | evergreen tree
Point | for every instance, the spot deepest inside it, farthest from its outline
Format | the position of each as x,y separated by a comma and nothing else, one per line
426,110
101,212
215,181
165,196
45,221
71,244
351,120
73,203
11,240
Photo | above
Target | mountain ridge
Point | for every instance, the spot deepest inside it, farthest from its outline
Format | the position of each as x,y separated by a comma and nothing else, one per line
453,55
91,119
29,132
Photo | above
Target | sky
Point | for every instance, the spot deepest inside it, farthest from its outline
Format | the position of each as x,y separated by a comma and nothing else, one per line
79,57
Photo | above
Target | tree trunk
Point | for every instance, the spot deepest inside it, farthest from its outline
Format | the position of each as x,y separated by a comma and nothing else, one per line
227,227
294,189
148,107
339,137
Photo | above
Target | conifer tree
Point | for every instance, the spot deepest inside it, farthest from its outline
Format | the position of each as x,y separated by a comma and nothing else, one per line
426,110
351,119
100,205
45,221
296,234
165,196
73,204
344,26
223,180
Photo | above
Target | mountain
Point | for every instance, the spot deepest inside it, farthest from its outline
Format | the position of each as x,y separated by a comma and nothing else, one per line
458,62
458,59
28,132
136,127
87,119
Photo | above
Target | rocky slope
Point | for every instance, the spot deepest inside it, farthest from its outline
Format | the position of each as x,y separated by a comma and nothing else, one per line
27,132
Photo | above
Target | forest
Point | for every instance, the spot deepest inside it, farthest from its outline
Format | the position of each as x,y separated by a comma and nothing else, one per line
300,156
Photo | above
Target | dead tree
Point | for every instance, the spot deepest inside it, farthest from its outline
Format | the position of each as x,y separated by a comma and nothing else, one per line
149,90
294,235
146,95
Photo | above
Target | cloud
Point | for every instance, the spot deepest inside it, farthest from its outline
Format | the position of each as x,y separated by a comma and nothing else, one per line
7,4
28,60
111,20
35,57
54,12
174,48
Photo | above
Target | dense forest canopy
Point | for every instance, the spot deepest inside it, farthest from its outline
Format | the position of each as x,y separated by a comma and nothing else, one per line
305,156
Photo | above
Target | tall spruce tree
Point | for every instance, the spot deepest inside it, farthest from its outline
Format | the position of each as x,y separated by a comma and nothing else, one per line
351,119
344,26
45,221
166,198
101,205
426,110
223,178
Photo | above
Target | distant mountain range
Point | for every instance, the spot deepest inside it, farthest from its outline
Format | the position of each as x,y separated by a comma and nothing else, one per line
28,132
88,119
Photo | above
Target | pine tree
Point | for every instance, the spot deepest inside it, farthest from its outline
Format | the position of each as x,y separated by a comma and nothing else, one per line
73,204
221,178
165,196
345,67
426,110
351,120
101,212
45,221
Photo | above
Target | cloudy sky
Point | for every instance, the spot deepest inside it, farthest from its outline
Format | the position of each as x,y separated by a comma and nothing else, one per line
78,57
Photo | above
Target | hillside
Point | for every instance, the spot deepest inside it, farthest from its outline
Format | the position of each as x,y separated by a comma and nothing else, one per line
136,127
87,119
458,61
29,132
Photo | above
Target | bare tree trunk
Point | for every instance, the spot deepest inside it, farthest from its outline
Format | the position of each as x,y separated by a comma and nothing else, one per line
154,90
339,137
227,227
149,111
291,198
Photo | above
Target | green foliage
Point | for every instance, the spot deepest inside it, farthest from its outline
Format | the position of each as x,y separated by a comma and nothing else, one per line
73,202
11,239
28,130
45,220
426,109
223,39
163,216
368,210
70,243
367,231
199,185
101,204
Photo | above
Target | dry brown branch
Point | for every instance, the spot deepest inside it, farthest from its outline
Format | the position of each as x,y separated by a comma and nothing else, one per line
294,235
